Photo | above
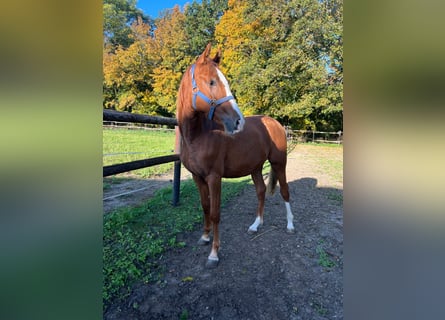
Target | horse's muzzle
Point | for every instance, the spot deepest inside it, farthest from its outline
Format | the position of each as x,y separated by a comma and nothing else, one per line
233,125
239,125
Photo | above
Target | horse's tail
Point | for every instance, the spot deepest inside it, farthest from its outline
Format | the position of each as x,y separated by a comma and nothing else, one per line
272,183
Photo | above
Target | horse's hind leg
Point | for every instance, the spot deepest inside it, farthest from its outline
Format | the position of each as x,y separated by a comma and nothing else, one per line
260,187
280,171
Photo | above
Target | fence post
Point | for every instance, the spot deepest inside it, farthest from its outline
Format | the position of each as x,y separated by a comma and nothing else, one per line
339,136
177,170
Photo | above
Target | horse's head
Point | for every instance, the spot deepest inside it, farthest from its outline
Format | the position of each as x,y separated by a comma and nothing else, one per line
211,93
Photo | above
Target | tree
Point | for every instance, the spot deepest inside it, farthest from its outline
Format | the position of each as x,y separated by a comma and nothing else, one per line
285,59
118,16
201,20
170,46
233,36
127,72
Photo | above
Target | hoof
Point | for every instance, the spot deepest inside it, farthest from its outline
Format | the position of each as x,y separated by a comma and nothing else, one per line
251,231
290,231
211,264
203,242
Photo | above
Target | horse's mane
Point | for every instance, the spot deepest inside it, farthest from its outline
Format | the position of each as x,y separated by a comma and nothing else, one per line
184,95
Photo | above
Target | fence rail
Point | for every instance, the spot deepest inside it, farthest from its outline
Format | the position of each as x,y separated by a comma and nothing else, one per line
138,164
134,126
111,115
315,136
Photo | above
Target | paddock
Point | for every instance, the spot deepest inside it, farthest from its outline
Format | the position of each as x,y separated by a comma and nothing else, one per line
296,277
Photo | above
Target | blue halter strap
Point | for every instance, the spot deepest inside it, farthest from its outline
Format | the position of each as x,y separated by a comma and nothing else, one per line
211,102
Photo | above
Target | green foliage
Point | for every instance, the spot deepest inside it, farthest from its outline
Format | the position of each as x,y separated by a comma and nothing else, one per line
118,15
200,23
282,58
288,69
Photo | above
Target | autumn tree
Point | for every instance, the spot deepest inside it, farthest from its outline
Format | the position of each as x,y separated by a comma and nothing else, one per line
233,35
170,46
127,73
282,58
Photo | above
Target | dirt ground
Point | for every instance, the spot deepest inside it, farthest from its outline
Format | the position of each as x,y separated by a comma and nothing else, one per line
270,275
129,190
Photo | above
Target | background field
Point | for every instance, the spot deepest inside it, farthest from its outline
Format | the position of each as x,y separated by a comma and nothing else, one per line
123,145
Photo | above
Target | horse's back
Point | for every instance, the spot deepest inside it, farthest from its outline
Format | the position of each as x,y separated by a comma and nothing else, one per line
269,129
263,138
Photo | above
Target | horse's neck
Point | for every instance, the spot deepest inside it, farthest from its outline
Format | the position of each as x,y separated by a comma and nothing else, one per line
192,126
195,126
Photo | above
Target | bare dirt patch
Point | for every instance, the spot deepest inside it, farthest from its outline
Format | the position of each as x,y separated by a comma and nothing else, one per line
128,189
271,275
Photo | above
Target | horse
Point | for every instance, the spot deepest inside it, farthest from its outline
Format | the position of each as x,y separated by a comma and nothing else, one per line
217,141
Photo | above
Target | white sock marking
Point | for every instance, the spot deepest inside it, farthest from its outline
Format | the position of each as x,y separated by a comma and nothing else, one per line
213,255
254,226
205,238
290,217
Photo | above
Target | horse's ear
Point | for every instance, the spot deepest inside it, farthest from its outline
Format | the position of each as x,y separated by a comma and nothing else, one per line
203,57
217,57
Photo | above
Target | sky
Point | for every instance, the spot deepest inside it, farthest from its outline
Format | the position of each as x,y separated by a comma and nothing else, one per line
153,7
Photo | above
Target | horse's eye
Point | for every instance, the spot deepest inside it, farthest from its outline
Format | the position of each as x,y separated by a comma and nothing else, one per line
212,82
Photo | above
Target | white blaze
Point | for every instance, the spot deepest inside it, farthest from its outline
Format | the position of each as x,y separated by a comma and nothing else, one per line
232,101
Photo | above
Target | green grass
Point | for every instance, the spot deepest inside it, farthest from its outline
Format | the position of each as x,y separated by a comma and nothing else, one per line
184,315
323,258
138,144
134,237
335,196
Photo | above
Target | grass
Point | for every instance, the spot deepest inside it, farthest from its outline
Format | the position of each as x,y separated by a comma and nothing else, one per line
323,258
184,315
133,238
335,196
326,158
123,145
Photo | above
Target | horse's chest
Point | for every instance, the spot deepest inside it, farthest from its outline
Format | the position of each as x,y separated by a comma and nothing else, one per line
202,161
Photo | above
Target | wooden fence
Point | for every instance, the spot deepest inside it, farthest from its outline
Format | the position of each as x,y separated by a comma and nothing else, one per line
315,136
120,117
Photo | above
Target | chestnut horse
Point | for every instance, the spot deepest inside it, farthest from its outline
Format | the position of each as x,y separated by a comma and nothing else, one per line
217,141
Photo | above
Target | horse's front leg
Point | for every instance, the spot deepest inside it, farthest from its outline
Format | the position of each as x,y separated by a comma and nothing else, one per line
205,203
260,187
214,183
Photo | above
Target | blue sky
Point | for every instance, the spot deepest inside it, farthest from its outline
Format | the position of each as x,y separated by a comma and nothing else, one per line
153,7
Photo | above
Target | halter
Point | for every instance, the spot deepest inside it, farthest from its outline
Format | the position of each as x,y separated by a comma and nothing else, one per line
211,102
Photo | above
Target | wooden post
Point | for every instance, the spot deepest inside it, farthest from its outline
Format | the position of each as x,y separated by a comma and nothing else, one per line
177,170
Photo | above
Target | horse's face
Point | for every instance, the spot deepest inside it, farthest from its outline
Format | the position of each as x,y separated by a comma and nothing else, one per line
212,95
